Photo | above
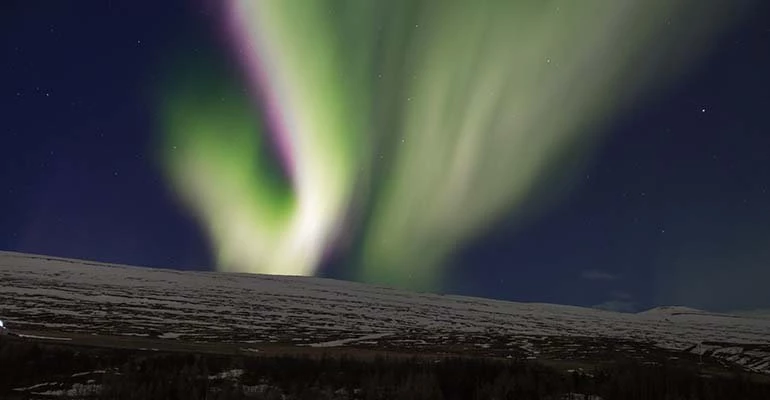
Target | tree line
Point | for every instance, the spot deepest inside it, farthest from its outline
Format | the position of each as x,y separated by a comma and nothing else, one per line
133,374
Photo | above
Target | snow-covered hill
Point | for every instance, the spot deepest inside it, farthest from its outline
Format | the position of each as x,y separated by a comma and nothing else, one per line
60,295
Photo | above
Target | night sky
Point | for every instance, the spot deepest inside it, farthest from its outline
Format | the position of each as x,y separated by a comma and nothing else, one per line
670,206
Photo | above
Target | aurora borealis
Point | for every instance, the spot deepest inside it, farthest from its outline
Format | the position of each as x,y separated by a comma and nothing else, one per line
422,122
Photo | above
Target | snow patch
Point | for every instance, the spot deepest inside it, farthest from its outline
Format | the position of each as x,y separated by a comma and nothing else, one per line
343,342
170,335
43,337
231,374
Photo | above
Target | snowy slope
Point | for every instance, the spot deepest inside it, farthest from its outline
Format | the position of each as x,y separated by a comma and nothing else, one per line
52,294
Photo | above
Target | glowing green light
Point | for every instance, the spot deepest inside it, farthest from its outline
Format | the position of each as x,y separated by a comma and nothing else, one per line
430,119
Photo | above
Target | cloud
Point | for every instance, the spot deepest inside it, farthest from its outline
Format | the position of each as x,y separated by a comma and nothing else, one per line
596,275
617,305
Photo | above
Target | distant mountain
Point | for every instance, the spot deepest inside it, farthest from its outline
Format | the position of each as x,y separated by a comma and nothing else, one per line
85,302
673,310
753,313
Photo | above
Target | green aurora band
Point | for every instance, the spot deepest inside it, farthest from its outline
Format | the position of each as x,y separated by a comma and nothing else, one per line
413,126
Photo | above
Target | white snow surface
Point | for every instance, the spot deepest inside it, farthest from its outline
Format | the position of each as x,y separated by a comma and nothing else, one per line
231,374
343,342
44,337
40,292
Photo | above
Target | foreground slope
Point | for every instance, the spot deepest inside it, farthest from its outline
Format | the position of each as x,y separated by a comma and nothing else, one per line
62,298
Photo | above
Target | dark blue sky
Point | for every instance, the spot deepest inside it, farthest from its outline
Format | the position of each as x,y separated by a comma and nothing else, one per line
675,208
